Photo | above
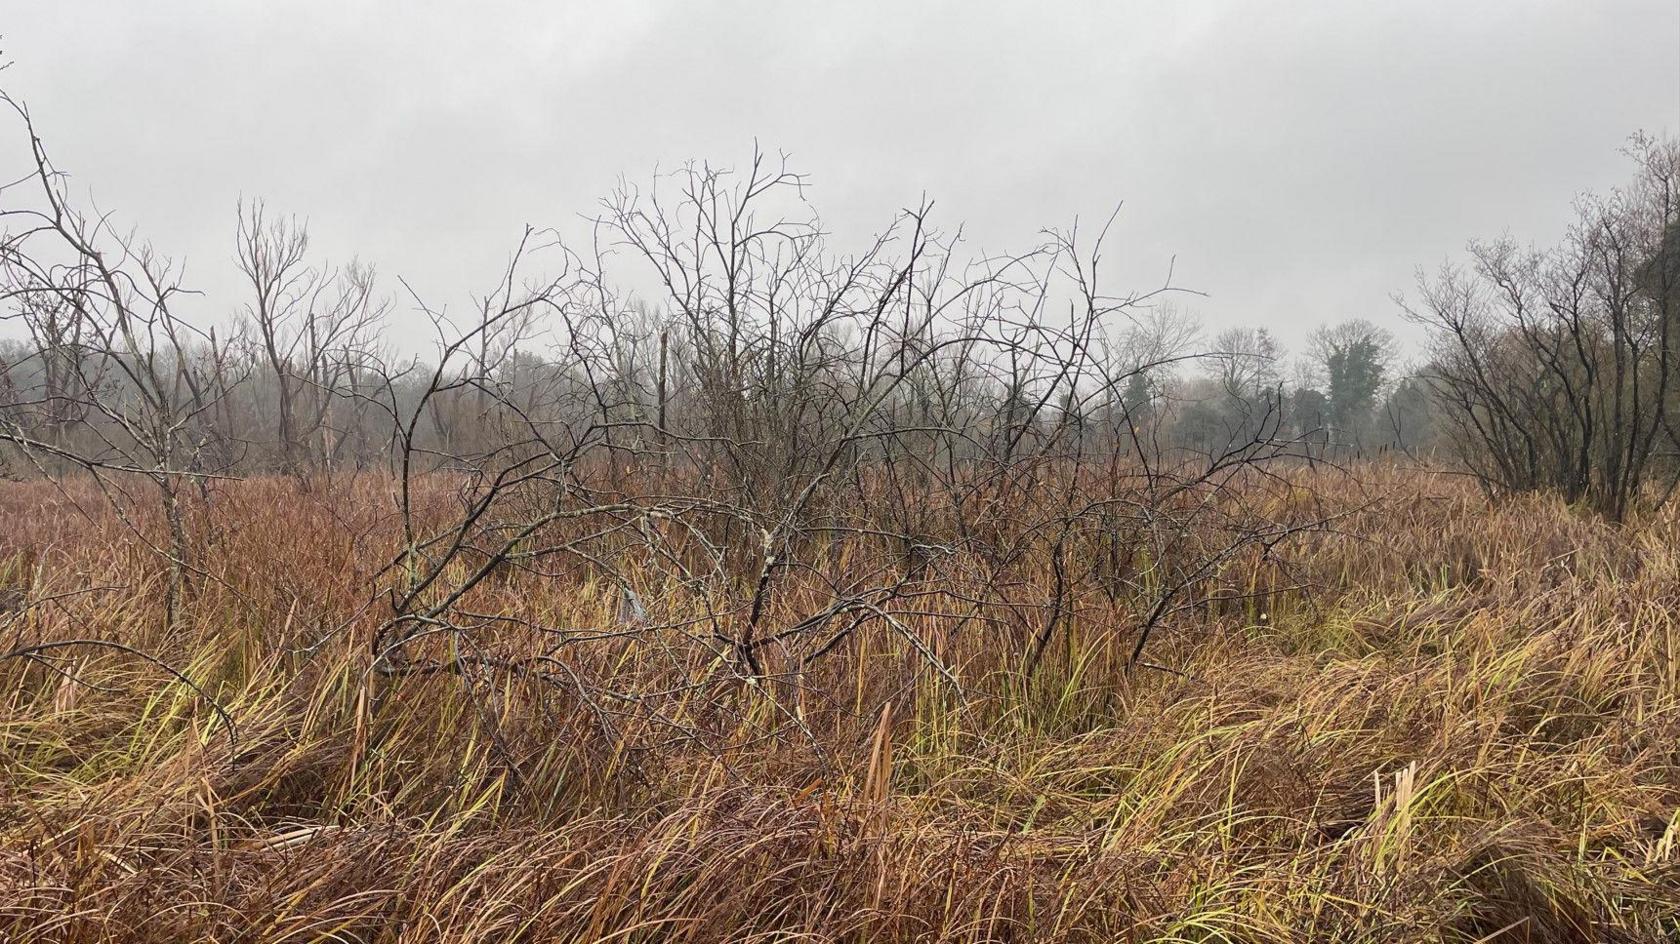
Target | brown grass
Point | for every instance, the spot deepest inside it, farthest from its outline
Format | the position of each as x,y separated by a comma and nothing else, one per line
1469,731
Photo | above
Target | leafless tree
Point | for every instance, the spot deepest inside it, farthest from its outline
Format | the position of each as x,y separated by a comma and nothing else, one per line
146,378
1559,367
312,329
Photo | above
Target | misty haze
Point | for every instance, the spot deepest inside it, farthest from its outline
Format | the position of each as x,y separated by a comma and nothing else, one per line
727,472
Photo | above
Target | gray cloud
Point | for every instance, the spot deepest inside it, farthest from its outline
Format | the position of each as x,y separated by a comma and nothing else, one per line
1298,159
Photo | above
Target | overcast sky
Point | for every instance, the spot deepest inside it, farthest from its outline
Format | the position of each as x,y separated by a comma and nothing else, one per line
1299,159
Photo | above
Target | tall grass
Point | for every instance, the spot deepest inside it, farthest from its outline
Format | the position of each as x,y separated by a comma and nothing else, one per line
1468,729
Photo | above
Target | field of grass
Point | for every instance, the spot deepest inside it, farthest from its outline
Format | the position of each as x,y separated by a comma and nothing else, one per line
1468,729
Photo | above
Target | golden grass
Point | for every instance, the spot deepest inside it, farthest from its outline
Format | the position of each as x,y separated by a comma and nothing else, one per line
1469,731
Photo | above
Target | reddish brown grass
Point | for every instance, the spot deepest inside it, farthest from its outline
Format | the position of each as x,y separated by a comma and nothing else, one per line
1467,732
